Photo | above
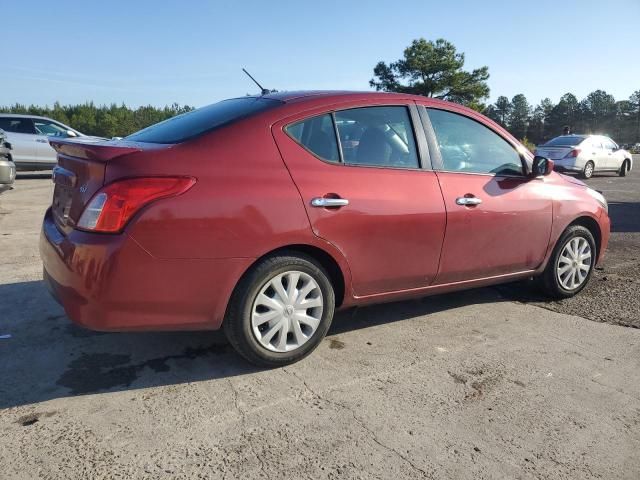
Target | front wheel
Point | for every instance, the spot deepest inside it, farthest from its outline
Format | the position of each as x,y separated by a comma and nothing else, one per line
281,310
588,170
624,169
571,263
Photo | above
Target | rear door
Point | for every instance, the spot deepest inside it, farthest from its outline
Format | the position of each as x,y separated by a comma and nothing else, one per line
498,218
359,172
598,153
21,134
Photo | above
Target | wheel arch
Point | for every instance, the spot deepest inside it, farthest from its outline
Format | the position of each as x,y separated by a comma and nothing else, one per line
337,276
592,225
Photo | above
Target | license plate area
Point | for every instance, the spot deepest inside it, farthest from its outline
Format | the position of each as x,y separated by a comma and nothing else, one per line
61,206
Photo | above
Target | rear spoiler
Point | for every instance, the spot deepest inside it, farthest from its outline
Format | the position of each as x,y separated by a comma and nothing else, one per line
94,149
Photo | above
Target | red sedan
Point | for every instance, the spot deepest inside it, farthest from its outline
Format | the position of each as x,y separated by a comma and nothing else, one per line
261,215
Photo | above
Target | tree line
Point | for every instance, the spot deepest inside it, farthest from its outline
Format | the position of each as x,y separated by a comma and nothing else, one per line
105,120
429,68
435,69
598,112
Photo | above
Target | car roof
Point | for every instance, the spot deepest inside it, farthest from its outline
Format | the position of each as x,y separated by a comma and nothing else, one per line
338,95
22,115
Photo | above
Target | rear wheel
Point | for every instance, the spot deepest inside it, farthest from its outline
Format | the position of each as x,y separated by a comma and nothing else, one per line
587,172
624,169
571,263
281,310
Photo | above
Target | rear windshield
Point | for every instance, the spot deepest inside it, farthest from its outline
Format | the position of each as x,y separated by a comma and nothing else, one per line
191,124
565,141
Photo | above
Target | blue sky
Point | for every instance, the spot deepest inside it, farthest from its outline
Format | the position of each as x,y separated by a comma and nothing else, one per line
191,52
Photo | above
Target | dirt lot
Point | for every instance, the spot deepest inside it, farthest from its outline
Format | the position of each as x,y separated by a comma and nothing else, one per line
481,384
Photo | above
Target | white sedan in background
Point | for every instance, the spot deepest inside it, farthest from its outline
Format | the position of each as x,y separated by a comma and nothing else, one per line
29,137
586,154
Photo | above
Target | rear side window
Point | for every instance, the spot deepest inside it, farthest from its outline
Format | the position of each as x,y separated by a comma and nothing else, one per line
17,125
372,136
377,136
467,146
317,135
194,123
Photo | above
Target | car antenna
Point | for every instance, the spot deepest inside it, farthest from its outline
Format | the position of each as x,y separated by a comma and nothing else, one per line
264,91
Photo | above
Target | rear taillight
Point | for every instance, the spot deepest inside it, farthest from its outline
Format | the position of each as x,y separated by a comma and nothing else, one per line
573,153
113,205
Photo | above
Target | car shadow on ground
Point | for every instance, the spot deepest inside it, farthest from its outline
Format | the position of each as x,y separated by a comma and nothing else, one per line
625,217
33,175
47,357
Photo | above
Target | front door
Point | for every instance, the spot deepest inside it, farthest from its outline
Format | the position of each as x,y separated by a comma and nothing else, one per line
45,130
612,155
365,192
498,219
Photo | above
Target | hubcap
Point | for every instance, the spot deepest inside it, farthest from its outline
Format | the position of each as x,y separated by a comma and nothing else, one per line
574,263
287,311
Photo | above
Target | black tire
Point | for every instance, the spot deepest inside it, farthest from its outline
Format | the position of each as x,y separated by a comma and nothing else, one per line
624,169
549,281
237,324
586,172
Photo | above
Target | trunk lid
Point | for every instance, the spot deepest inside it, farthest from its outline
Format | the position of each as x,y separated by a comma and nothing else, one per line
80,173
554,153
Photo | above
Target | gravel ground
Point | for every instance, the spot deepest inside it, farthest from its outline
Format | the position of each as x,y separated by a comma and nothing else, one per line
480,384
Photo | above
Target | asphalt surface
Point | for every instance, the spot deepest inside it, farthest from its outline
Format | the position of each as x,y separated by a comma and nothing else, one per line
490,383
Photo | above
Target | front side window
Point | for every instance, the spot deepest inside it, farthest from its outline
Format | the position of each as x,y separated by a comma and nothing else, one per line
470,147
377,136
608,144
50,129
317,135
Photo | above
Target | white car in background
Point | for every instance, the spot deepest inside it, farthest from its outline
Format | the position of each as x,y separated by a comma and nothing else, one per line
29,137
586,154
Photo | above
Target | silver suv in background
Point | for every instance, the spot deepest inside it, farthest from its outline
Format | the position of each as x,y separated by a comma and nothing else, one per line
586,154
29,137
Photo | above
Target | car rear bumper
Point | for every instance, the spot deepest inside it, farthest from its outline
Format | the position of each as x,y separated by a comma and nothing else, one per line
7,173
110,283
567,168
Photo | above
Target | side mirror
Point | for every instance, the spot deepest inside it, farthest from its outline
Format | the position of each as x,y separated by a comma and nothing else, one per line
541,166
71,133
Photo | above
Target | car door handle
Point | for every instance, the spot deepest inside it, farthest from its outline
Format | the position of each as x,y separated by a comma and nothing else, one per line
468,201
323,202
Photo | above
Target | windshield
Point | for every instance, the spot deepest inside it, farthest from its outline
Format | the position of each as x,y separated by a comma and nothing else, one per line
191,124
565,141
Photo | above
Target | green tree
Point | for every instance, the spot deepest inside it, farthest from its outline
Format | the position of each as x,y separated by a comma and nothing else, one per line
433,69
519,116
539,123
634,104
503,110
565,113
103,121
599,109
